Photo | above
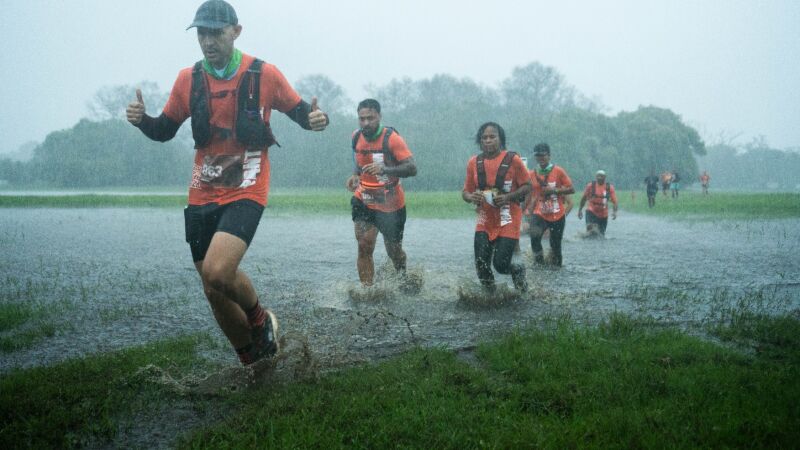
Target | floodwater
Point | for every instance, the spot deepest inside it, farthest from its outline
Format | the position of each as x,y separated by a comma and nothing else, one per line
114,278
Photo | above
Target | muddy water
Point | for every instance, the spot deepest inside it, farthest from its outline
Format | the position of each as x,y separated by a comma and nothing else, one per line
113,278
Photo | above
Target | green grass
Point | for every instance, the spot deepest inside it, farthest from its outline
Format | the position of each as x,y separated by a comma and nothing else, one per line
325,202
442,205
82,400
14,314
622,384
716,205
14,335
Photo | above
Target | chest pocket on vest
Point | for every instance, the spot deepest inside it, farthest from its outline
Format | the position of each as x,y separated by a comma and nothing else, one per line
222,170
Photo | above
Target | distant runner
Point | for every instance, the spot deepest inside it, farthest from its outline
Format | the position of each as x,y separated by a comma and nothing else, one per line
704,180
651,183
550,184
598,193
230,181
675,184
378,205
666,179
496,181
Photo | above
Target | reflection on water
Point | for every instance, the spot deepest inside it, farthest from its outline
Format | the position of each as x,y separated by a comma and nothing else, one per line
112,278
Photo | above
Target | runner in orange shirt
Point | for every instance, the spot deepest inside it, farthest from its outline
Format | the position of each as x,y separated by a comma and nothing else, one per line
666,179
229,95
704,180
496,182
378,204
598,193
550,184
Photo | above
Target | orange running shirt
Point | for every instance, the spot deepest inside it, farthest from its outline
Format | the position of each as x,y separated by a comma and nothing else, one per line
276,93
551,208
489,217
376,190
598,204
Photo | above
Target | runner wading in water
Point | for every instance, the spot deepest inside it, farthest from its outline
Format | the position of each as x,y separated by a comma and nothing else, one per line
546,204
598,193
229,96
497,181
651,185
378,205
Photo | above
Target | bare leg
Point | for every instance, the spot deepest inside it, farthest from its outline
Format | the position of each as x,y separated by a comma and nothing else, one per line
396,254
228,290
366,236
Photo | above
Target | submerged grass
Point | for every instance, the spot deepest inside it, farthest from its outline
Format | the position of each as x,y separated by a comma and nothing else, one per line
22,325
82,400
716,205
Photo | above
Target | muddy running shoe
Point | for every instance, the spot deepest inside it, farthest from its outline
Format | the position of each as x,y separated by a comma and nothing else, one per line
520,283
265,338
538,258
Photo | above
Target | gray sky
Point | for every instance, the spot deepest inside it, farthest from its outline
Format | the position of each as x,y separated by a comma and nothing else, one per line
727,67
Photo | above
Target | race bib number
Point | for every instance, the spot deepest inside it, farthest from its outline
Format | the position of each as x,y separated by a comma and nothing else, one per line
374,196
222,170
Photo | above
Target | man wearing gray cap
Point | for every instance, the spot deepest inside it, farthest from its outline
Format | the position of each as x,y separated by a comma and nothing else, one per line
229,96
599,194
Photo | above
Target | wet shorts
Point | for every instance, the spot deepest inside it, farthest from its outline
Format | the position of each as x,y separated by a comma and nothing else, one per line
239,218
391,224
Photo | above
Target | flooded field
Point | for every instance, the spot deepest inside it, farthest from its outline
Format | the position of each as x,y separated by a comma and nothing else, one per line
113,278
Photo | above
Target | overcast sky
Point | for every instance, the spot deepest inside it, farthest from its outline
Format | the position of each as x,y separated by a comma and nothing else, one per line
727,67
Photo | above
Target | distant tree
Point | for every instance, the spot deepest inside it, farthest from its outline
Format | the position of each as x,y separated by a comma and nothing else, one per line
109,102
108,153
537,90
331,96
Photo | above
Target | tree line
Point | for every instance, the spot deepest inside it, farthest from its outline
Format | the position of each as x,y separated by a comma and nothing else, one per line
753,166
438,117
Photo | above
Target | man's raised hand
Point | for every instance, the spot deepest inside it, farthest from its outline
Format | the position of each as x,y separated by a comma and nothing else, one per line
316,118
135,110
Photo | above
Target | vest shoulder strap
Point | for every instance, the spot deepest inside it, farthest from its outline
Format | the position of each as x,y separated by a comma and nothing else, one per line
387,154
500,177
606,193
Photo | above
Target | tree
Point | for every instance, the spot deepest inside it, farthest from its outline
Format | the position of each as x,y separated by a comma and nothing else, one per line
109,102
537,90
330,94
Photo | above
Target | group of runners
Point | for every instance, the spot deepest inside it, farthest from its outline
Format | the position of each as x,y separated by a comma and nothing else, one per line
229,96
670,181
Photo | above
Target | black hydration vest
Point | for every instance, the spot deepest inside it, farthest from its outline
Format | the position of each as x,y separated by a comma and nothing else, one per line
387,155
606,194
249,127
500,179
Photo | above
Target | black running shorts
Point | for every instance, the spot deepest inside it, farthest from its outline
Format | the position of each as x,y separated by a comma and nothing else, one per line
239,218
391,224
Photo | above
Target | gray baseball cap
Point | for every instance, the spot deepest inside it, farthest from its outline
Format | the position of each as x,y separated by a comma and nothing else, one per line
214,14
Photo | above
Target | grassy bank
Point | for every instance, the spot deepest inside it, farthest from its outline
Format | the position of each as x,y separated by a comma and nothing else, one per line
441,204
623,383
716,205
90,400
328,202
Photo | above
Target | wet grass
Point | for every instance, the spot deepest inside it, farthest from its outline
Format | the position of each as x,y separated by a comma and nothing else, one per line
447,204
85,400
716,205
23,325
92,201
623,383
325,202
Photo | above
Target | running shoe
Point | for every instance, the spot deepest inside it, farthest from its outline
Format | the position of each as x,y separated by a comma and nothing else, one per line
265,338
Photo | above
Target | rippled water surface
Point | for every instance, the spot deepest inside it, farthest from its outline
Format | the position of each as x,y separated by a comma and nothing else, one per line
112,278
